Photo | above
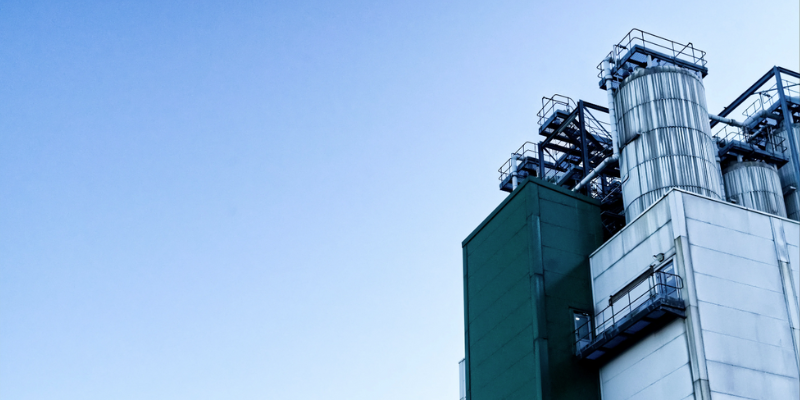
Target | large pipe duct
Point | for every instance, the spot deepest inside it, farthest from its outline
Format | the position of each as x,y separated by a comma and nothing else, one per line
753,119
595,172
514,171
726,121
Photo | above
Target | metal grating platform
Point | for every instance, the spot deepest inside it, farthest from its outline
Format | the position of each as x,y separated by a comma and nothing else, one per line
627,319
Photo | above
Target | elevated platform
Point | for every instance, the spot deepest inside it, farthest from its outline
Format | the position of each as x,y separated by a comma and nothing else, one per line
653,313
638,49
575,142
730,150
649,301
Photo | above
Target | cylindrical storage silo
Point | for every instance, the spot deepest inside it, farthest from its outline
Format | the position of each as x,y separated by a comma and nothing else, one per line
754,185
663,125
789,178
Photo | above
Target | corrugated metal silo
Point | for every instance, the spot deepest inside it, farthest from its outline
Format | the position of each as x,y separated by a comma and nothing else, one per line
662,120
789,180
754,185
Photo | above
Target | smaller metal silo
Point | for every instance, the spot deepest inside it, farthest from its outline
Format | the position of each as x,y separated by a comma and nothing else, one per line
755,185
789,179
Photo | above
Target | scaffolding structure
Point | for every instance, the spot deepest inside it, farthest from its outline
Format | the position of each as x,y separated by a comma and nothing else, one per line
575,141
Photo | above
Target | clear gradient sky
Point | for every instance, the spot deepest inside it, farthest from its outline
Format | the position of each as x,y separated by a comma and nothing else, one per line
266,200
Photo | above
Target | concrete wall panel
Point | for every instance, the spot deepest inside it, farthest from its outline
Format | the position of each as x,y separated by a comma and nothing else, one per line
740,296
730,241
750,384
632,264
749,354
676,385
745,342
733,218
653,362
745,325
737,269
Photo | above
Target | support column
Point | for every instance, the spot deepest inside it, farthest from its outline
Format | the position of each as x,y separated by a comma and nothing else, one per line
789,293
787,121
584,147
694,330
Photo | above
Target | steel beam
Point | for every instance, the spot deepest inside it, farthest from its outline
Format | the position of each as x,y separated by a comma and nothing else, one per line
787,122
747,93
584,142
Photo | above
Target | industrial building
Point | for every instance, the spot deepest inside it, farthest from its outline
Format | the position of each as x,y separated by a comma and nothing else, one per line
648,248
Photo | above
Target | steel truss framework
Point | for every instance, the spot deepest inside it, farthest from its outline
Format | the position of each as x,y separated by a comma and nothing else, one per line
575,142
756,140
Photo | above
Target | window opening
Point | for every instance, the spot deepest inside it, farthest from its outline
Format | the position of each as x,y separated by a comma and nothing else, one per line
583,328
666,281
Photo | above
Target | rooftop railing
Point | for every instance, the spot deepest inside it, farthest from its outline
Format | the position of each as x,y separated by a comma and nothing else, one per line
528,149
766,98
555,103
670,48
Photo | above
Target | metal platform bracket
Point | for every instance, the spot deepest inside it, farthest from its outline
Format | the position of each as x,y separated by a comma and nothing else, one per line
641,49
648,301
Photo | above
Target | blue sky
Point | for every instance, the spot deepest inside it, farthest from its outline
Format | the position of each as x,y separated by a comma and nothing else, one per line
266,200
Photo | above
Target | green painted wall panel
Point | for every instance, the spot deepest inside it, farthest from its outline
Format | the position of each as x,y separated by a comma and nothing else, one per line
502,293
519,333
557,195
511,378
501,333
506,262
577,241
568,263
514,350
496,228
559,214
501,309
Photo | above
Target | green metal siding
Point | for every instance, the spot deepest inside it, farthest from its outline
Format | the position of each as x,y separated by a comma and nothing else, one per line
526,268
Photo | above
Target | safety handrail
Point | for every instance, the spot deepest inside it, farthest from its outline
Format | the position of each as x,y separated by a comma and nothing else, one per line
549,104
657,287
687,51
525,150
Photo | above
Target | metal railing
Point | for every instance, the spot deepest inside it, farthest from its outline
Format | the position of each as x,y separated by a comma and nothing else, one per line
597,127
728,133
678,51
560,163
604,190
528,149
764,136
657,285
549,105
560,158
766,98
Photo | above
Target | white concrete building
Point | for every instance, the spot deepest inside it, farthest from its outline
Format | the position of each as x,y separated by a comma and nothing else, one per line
737,277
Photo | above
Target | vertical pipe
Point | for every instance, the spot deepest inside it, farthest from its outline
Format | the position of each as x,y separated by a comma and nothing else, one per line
787,122
514,174
541,163
611,113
